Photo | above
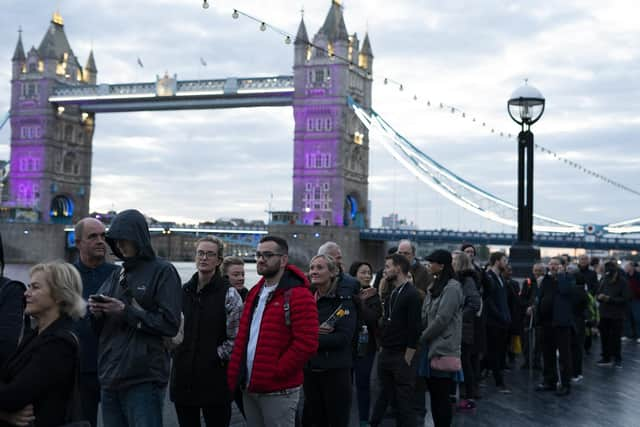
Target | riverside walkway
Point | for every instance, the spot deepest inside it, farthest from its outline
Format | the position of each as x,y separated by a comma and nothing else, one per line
605,397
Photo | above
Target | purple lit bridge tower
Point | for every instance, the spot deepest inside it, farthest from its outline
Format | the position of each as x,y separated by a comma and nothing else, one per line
331,154
54,101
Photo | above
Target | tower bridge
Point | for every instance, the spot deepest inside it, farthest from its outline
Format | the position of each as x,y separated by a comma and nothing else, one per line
55,103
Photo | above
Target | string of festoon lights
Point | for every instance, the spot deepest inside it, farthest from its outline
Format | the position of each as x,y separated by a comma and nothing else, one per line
438,106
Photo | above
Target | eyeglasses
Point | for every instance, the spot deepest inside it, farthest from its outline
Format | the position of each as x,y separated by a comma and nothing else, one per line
266,255
207,254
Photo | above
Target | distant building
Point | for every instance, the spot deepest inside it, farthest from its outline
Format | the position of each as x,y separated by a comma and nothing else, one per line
394,222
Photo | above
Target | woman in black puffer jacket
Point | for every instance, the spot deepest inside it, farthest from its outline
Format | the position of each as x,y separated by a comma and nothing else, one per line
468,277
327,376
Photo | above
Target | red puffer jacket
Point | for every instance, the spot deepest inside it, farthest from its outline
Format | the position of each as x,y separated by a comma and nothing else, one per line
282,350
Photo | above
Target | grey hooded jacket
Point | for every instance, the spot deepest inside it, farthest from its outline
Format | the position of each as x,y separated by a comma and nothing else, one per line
131,349
442,320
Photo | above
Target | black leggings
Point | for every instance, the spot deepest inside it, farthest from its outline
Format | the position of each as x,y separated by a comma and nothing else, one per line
327,398
441,411
468,370
214,416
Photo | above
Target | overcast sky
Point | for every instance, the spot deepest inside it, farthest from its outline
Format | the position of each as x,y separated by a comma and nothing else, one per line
190,166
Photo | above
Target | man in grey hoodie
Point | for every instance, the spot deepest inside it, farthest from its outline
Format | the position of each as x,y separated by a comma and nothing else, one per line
135,309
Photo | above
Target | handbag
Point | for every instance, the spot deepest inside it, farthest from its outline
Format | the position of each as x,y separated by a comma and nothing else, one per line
73,417
446,363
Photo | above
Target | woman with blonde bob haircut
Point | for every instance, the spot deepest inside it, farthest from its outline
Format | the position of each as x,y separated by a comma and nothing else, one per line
37,381
327,376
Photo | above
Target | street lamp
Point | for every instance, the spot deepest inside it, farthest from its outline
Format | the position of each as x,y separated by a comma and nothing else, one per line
525,107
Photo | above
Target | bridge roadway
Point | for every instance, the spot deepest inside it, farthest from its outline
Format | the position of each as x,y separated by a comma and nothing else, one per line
551,240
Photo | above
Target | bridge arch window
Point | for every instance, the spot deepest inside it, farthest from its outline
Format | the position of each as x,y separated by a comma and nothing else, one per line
29,90
69,164
68,133
61,209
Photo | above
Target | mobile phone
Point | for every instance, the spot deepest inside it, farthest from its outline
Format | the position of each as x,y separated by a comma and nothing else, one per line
98,298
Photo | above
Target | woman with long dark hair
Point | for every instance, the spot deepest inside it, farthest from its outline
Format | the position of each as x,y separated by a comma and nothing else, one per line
369,312
468,278
442,321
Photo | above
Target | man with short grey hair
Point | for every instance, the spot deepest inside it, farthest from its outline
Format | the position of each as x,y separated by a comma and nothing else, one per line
421,277
334,251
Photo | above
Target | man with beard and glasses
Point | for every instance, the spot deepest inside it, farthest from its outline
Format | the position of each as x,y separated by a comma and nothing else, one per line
278,334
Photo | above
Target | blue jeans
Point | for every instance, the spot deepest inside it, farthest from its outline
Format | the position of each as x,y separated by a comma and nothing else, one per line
632,322
137,406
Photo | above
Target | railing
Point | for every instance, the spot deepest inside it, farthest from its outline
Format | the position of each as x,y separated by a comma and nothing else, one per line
186,87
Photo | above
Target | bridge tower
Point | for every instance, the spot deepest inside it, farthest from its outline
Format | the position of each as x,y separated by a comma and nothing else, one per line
50,166
331,147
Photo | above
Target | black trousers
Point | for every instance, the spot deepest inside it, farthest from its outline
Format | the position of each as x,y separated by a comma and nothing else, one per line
441,410
398,385
497,349
327,398
577,347
468,370
214,416
557,338
89,389
610,333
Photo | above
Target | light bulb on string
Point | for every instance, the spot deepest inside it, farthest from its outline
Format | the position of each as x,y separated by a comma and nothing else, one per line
235,14
401,87
386,80
287,40
415,97
263,27
205,5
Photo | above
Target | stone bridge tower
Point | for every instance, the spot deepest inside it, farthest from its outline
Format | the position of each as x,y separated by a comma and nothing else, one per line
50,166
331,146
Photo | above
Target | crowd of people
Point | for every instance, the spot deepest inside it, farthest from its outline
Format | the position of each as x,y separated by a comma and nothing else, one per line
290,350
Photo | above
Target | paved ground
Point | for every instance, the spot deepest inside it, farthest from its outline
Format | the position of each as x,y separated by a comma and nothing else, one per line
607,397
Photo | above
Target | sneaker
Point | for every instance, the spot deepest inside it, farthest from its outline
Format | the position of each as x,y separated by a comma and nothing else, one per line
617,364
466,405
604,362
504,389
563,391
577,379
638,340
545,387
624,338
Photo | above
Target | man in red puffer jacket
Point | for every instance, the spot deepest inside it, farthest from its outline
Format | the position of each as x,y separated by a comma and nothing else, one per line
278,334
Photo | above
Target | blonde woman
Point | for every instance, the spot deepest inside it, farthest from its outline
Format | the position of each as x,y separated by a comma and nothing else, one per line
37,381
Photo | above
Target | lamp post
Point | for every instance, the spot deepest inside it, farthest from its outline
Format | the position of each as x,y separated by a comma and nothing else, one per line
525,107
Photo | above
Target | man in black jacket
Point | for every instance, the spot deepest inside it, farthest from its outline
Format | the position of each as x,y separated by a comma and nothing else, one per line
94,270
401,330
555,312
498,318
138,306
590,277
613,296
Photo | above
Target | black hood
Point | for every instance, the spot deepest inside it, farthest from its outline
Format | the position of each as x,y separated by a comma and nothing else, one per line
131,225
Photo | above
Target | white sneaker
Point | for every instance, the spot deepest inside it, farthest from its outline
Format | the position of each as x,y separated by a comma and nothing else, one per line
623,338
577,379
638,340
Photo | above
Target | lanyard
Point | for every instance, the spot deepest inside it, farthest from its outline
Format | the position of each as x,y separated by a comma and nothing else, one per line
392,301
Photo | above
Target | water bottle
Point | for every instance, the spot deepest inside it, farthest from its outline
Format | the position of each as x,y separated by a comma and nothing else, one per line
363,341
